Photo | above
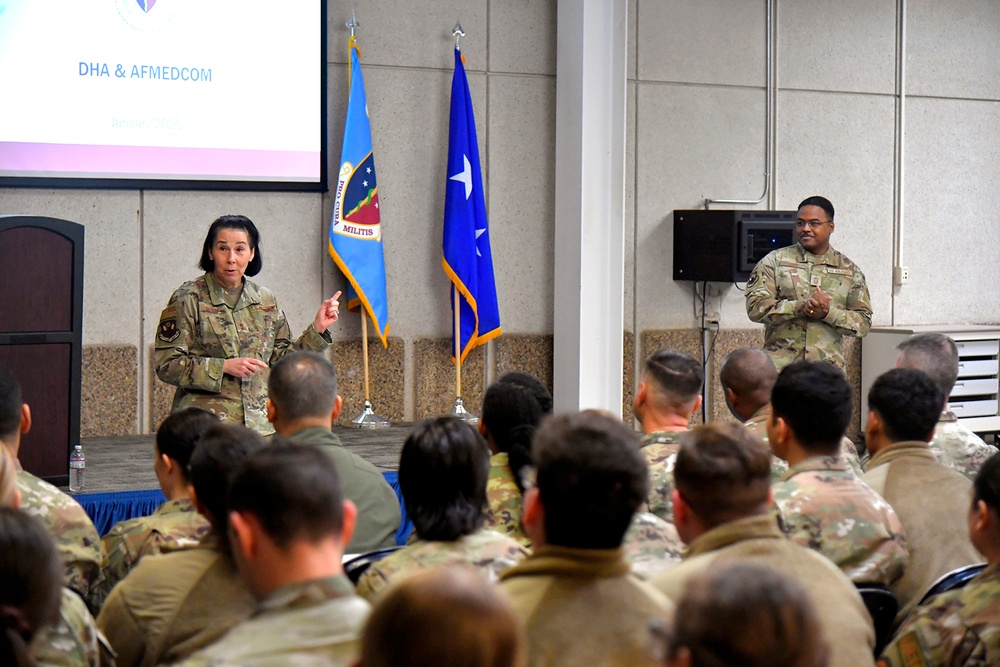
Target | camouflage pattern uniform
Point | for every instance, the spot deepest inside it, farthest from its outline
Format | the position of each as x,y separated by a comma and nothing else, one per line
74,641
779,287
758,426
960,627
651,545
504,503
198,331
76,537
316,622
825,507
173,526
486,550
959,448
660,449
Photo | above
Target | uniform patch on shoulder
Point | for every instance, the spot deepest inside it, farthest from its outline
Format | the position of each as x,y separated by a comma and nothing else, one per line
168,330
909,649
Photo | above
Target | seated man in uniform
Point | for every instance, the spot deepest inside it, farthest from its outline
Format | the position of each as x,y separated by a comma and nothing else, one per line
823,505
302,405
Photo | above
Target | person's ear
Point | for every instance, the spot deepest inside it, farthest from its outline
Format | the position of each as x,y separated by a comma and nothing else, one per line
981,515
534,512
242,535
350,521
168,463
681,509
481,427
697,404
15,498
272,412
732,398
25,418
338,407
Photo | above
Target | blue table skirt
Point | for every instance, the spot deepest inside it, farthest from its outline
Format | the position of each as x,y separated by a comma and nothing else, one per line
107,509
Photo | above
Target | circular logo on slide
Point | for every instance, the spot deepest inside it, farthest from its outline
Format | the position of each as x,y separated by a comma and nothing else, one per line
146,15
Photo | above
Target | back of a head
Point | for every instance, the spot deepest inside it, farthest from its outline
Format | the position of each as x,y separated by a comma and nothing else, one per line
908,403
30,583
446,617
214,462
10,403
294,492
511,413
815,400
179,434
749,371
676,379
443,470
533,385
934,354
723,473
591,479
303,384
742,614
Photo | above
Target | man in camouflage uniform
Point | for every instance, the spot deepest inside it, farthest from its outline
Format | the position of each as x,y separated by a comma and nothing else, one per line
76,537
953,444
809,295
651,545
290,525
74,640
669,394
823,505
747,376
961,627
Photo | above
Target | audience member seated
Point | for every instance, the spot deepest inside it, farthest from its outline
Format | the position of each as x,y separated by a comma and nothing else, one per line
651,545
76,537
172,604
289,526
575,594
747,377
953,444
823,504
445,617
961,627
669,393
722,509
176,524
534,386
443,470
930,499
743,614
509,417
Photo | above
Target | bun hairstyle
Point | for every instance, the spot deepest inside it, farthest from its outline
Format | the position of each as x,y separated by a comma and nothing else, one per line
511,413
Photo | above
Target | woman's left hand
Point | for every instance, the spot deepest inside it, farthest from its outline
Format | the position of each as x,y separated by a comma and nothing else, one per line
328,313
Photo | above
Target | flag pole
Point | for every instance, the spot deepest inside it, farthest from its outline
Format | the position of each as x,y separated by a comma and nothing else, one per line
367,418
364,351
459,411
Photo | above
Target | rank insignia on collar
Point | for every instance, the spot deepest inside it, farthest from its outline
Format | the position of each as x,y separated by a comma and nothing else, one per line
168,331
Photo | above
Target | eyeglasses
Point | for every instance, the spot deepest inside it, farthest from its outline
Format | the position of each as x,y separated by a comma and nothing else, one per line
811,224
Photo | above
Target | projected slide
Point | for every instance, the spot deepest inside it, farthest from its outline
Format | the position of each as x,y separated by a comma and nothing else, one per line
195,90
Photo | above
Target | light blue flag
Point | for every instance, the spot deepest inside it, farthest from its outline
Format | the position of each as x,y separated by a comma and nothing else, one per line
356,231
467,258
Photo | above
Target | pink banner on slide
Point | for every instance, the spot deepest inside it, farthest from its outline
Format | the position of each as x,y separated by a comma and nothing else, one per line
31,159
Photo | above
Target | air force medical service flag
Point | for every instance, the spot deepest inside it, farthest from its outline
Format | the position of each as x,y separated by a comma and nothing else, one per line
356,231
467,259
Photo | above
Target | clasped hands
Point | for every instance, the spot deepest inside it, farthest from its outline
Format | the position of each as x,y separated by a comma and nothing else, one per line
818,305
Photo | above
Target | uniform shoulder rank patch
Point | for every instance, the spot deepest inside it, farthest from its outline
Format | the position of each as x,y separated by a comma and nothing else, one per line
168,330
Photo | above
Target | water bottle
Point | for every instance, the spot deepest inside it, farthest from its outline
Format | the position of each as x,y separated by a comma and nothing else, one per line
77,466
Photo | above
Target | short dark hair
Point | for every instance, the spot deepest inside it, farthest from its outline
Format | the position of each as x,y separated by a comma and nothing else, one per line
533,385
511,413
239,222
10,403
934,354
591,479
179,434
214,462
303,384
987,483
816,200
745,613
443,470
748,370
678,374
908,402
814,398
723,472
293,491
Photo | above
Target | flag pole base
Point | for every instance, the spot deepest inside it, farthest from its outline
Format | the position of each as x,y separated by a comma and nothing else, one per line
459,412
368,418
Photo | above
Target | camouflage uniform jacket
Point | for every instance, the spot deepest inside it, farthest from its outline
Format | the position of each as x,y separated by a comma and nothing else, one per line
651,545
959,448
504,503
779,287
74,641
198,332
175,525
486,550
76,537
758,426
315,622
660,449
825,507
960,627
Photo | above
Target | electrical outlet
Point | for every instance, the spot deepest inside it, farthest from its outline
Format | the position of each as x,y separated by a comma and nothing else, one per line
900,275
713,317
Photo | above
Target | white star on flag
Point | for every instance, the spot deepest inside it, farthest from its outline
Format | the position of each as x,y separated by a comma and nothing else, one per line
479,232
465,176
364,183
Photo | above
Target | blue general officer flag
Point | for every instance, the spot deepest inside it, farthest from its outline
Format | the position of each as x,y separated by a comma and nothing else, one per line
467,258
356,231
